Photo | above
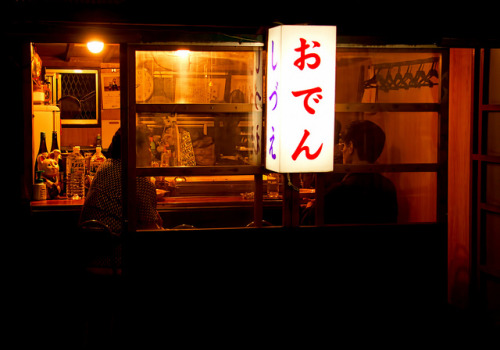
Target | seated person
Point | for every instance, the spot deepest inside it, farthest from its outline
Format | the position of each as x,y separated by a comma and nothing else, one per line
362,197
104,199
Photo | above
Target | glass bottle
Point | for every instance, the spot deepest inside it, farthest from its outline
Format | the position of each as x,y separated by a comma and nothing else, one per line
273,185
55,144
75,174
95,162
39,188
98,141
41,149
53,147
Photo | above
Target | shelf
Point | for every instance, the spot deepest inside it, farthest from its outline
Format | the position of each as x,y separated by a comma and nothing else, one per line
254,169
248,107
387,168
201,170
196,108
387,107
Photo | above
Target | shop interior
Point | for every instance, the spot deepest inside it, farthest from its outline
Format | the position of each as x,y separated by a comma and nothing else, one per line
369,84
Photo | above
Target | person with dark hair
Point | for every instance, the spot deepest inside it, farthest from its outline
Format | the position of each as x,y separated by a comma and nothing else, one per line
361,197
104,199
362,142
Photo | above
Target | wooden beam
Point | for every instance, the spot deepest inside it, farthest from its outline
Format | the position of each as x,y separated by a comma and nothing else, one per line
70,51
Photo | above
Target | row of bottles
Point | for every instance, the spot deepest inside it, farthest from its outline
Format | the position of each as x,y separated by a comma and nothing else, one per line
55,178
48,166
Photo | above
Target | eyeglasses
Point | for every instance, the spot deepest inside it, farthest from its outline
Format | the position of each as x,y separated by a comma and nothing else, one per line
341,146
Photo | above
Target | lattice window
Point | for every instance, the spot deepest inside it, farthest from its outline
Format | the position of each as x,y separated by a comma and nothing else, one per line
82,87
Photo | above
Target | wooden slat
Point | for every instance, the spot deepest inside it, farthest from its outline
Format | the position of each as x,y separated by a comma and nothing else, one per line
70,51
195,108
489,108
486,158
200,170
490,207
247,107
387,168
387,107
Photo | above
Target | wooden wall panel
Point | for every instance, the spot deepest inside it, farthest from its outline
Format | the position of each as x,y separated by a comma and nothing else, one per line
459,180
87,136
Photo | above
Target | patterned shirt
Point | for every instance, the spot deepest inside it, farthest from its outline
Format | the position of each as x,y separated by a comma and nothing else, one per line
104,199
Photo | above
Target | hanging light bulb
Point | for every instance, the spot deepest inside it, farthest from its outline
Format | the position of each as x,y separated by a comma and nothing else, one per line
95,46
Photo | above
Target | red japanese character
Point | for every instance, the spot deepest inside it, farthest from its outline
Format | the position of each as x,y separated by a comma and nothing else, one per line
309,93
300,62
301,148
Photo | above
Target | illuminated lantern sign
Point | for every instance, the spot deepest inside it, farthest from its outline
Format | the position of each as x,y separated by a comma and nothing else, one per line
300,98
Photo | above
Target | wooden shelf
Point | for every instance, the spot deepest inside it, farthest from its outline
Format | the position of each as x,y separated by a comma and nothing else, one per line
196,108
248,107
387,107
201,170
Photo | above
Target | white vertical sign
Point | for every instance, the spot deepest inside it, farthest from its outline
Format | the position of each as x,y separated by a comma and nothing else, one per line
300,99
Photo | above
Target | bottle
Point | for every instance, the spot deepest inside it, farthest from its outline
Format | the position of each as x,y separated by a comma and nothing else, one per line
273,185
75,174
95,162
55,146
41,149
39,188
98,141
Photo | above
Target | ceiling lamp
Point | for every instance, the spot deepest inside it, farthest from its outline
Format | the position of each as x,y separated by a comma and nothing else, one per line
95,46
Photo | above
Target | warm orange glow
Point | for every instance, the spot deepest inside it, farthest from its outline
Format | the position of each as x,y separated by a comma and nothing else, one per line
95,46
182,53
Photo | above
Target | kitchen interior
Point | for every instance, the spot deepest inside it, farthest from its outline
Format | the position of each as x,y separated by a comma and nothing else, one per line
77,57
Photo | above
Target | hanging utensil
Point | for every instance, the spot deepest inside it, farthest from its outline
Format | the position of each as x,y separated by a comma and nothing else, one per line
71,107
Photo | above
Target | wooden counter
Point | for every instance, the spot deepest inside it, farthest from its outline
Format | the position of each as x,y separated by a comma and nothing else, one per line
163,203
211,201
57,205
199,211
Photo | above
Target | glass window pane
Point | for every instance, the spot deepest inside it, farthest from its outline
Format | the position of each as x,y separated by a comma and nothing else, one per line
417,196
492,240
379,76
410,137
201,139
185,76
357,198
493,130
493,184
494,73
205,201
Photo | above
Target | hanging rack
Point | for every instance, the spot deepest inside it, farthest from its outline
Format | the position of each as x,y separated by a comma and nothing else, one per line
383,79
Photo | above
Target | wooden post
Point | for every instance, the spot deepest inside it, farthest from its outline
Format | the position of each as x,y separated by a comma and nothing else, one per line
258,200
459,179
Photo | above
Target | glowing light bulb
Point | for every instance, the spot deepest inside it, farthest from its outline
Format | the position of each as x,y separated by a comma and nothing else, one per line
182,53
95,46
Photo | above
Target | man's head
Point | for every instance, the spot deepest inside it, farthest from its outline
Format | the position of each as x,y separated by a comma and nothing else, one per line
363,141
143,150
